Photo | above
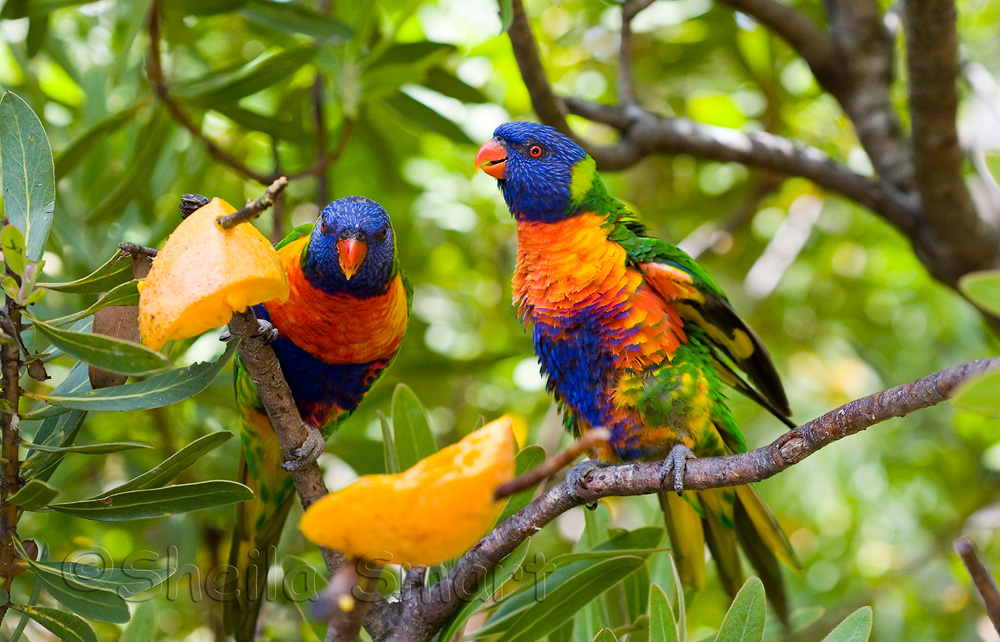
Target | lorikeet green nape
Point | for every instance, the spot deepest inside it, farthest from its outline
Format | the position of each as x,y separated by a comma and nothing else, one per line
337,332
635,337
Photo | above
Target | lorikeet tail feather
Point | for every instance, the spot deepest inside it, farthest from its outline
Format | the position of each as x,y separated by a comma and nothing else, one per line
255,539
723,518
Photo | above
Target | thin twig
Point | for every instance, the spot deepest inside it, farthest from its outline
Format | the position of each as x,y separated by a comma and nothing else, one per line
137,250
984,582
419,617
626,88
552,465
156,78
253,209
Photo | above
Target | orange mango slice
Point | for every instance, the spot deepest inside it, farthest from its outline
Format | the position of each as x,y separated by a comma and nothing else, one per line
430,513
203,274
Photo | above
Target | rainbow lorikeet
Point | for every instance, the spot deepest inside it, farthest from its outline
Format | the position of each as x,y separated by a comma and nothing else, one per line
337,332
635,337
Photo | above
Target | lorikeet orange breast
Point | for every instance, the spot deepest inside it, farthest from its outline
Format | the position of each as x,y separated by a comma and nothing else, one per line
339,329
634,336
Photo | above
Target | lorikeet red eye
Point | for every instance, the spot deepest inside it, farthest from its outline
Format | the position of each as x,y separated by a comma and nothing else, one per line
535,151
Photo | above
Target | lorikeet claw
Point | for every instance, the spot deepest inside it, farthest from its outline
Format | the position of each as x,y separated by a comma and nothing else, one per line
576,478
676,461
267,330
308,452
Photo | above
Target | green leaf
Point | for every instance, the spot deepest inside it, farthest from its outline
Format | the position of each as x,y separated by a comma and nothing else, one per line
605,635
157,391
109,353
569,593
157,502
411,52
641,542
494,580
91,449
636,589
745,620
230,85
10,287
29,186
527,458
35,8
273,126
125,294
662,626
444,82
12,242
122,582
94,604
142,625
980,394
983,289
419,113
116,271
388,445
34,495
70,157
295,19
856,627
172,466
506,15
66,626
411,428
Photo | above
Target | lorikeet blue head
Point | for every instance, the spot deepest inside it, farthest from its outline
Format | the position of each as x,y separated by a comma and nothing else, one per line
543,174
352,249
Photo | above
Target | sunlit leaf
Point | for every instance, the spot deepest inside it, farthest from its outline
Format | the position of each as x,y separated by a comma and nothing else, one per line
745,620
980,394
157,502
69,157
230,85
983,289
856,627
411,428
12,242
29,187
419,113
295,19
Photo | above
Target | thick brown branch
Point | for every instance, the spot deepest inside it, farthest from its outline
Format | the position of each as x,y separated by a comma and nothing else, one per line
422,615
645,133
957,239
981,578
10,461
548,106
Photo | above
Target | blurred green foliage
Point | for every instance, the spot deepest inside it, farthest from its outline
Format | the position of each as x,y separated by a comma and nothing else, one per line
413,85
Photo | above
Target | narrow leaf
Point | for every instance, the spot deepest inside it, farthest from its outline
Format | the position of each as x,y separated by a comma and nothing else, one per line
157,391
411,428
388,444
125,294
29,186
172,466
419,113
34,495
527,458
444,82
745,620
662,626
605,635
68,158
103,606
66,626
124,582
104,352
157,502
295,19
91,449
230,85
116,271
856,627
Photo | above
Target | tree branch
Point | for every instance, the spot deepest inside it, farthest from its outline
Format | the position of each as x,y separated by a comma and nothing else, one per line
10,459
956,237
421,615
981,578
548,106
645,133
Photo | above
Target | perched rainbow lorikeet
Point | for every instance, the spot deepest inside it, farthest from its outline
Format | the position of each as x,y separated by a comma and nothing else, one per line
337,332
635,337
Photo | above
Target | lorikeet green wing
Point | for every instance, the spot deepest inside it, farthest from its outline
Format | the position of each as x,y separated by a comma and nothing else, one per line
633,336
339,329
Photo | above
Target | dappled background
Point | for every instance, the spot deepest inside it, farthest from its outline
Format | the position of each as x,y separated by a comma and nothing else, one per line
408,91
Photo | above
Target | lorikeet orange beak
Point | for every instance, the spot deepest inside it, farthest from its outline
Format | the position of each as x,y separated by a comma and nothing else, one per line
351,254
492,159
